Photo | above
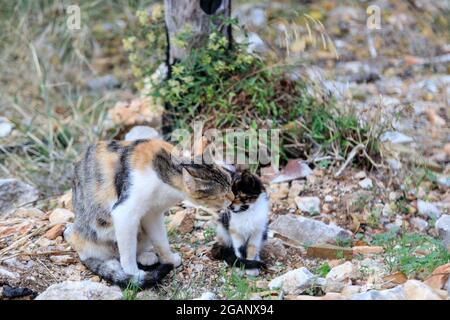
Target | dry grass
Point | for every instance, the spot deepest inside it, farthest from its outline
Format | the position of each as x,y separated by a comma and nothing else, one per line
45,67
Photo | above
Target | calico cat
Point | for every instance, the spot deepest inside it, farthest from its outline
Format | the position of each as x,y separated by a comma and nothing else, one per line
121,190
242,227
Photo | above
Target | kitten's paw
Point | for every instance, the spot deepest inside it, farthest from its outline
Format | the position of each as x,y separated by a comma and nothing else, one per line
148,258
174,259
252,272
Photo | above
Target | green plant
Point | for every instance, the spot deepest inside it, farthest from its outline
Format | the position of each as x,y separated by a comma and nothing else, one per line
323,269
209,234
131,291
228,87
236,286
411,253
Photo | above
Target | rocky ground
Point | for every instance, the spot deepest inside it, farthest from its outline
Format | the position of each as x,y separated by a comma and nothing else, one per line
336,232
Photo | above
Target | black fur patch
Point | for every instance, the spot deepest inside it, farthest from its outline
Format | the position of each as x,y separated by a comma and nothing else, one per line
113,146
227,254
225,219
118,277
164,166
243,250
122,181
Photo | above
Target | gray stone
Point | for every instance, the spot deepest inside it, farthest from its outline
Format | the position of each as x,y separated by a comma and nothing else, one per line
396,293
428,209
207,296
293,282
416,290
6,127
394,164
81,290
15,193
419,223
395,137
308,231
443,229
366,183
142,132
444,181
107,82
308,204
255,43
8,275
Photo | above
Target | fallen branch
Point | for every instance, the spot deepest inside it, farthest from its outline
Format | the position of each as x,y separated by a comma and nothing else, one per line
31,254
350,157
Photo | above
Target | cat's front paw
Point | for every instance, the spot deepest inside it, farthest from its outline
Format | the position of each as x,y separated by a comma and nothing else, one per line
139,276
252,272
148,258
173,258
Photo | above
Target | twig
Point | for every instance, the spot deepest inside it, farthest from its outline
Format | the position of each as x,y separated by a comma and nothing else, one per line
26,237
46,253
350,157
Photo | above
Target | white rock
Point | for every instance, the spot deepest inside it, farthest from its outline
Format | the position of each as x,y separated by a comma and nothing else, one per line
419,223
428,209
349,291
142,132
207,296
443,229
255,43
360,175
329,199
416,290
60,215
366,183
396,293
308,231
15,193
339,277
8,274
341,273
6,127
444,181
394,164
308,204
293,282
395,137
81,290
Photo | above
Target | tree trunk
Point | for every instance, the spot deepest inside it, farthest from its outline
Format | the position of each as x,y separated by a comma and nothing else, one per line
193,15
196,16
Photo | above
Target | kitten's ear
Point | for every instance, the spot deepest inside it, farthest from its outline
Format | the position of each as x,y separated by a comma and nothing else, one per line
249,179
188,179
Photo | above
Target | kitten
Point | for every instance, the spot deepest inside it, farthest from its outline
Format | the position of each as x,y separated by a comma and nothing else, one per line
120,193
242,228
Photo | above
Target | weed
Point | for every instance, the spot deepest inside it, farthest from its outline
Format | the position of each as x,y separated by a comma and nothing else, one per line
412,253
131,291
209,234
323,269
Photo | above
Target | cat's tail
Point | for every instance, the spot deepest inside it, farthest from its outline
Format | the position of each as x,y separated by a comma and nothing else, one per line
227,253
112,271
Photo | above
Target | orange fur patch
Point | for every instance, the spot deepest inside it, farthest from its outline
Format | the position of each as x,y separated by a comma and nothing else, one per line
144,153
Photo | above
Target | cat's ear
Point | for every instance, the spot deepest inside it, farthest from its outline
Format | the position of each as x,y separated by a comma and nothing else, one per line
249,179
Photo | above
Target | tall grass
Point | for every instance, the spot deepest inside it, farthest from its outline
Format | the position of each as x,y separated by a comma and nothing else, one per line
44,68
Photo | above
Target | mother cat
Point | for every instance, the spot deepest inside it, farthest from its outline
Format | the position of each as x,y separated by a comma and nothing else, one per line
120,193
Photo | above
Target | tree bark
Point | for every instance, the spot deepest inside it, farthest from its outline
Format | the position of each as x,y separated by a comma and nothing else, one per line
193,15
